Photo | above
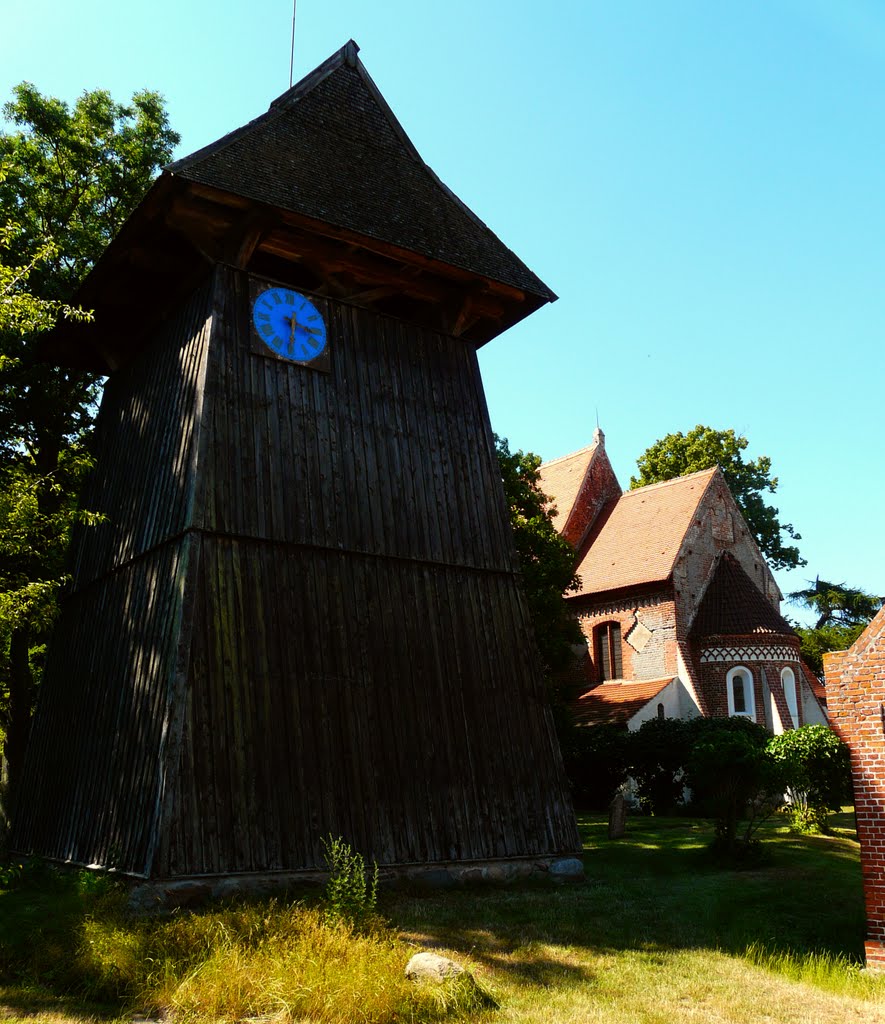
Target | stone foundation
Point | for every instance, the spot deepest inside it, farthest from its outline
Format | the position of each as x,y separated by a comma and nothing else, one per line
164,896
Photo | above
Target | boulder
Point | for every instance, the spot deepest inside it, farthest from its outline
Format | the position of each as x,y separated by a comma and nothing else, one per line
432,967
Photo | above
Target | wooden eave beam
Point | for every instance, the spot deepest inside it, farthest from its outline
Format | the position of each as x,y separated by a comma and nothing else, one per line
205,197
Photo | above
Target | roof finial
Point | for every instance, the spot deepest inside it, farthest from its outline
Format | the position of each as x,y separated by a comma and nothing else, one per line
598,436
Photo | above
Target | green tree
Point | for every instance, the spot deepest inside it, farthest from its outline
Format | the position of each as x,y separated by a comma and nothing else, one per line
69,177
32,541
657,754
817,771
703,448
842,615
596,762
546,560
733,778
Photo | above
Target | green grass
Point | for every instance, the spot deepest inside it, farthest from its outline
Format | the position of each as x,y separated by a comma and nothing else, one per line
658,933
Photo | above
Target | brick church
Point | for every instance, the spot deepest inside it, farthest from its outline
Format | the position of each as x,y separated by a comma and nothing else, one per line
678,607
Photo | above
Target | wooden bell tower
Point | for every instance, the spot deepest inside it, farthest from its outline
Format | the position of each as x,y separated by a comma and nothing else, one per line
303,614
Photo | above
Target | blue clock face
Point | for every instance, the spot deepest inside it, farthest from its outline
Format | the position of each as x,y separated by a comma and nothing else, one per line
289,324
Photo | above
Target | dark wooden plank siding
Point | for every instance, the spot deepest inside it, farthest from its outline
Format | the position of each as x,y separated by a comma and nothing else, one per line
95,766
388,454
144,477
357,696
344,650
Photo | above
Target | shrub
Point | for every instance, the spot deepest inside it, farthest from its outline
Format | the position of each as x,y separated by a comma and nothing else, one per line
733,777
657,755
595,761
817,774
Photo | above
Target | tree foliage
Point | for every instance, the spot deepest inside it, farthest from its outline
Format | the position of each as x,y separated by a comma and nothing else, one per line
720,762
596,761
817,773
734,780
842,615
657,755
703,448
546,560
69,176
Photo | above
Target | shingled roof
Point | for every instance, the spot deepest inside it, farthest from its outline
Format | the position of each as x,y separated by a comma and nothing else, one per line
330,148
734,606
616,703
637,538
561,479
323,192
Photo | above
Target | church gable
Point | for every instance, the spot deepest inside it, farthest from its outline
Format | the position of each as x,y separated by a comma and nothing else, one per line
673,585
716,526
581,484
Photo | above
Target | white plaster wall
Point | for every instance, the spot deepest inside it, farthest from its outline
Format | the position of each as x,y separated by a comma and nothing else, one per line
812,712
677,702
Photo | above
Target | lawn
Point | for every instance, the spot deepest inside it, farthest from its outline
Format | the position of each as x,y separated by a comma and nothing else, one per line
658,933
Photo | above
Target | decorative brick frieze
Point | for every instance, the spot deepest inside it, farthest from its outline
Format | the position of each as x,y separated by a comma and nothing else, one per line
745,653
619,607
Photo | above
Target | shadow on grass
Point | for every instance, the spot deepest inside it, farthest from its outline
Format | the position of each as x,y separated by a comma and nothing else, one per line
32,1002
658,889
655,891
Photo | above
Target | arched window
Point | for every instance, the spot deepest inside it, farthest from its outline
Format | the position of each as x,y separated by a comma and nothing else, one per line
739,687
608,650
660,710
788,681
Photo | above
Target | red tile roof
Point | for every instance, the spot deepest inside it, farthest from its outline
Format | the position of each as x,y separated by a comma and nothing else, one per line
561,480
733,605
637,538
615,703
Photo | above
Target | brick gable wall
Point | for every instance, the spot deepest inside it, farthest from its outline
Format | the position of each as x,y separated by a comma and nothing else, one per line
855,700
717,526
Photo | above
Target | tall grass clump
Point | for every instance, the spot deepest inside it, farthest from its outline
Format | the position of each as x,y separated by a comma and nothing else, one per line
830,972
71,934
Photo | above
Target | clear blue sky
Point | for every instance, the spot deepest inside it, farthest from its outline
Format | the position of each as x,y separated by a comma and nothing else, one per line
701,183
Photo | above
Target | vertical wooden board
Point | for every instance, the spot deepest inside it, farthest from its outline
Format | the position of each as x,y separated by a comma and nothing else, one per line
142,481
91,772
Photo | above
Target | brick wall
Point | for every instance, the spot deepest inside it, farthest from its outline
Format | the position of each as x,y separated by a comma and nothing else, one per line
648,633
856,704
713,677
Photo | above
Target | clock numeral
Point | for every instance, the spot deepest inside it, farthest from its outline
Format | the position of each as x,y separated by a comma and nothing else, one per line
266,330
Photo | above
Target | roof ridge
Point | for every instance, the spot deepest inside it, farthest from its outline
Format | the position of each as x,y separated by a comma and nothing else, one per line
668,483
561,458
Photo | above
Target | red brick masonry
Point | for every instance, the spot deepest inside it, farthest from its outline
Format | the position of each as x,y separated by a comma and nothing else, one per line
856,701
